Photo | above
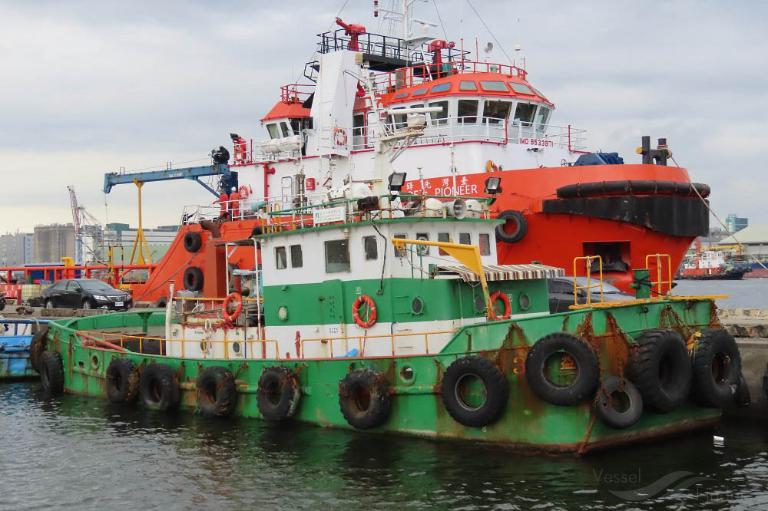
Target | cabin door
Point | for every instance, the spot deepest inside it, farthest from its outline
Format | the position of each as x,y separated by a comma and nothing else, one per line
332,315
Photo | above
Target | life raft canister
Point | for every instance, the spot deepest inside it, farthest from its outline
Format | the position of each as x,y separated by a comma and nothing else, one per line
504,299
372,314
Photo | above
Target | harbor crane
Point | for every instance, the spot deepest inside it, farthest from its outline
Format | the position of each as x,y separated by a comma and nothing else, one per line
86,227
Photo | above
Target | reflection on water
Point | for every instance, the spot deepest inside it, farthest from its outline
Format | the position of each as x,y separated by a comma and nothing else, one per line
88,454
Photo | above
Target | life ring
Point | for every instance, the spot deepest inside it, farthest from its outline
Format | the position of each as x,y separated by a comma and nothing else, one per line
371,320
465,408
716,368
507,312
122,381
490,166
340,137
364,398
159,387
51,373
278,394
514,228
613,391
244,191
581,360
660,367
216,392
232,316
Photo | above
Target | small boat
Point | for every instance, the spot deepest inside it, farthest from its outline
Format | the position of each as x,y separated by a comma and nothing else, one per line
711,265
15,340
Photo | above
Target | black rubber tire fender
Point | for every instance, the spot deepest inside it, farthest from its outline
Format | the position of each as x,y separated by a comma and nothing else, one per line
716,368
193,279
587,368
216,392
122,381
52,373
660,367
742,397
162,302
618,403
159,387
192,241
364,398
279,393
37,346
494,383
521,226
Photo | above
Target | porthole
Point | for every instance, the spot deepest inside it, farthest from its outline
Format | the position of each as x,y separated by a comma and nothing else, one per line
94,362
282,313
524,301
417,306
236,347
407,375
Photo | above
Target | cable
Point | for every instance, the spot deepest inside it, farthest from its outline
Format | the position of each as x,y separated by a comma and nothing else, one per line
384,263
491,33
445,34
725,227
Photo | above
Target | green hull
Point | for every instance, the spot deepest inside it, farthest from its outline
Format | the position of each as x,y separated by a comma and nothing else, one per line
417,407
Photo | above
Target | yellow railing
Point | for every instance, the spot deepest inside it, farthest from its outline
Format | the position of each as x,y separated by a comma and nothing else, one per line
659,284
588,274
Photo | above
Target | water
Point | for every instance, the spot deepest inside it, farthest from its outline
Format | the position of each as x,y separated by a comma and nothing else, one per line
84,453
747,293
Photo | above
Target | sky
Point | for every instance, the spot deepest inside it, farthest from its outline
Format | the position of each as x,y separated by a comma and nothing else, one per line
88,87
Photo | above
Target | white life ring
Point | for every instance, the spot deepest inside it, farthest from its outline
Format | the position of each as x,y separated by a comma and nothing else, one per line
340,136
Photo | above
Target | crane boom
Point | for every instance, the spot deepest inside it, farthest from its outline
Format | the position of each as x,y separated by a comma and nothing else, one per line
194,173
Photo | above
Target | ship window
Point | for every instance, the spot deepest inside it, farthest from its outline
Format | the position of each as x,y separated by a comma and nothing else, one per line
542,116
400,252
467,111
493,86
465,238
281,259
520,88
419,92
286,129
496,112
336,256
422,250
440,117
297,258
441,87
296,126
358,120
371,248
524,113
467,85
401,95
272,130
399,120
485,244
445,238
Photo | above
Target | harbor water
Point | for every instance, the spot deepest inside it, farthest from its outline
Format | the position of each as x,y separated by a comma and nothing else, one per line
81,453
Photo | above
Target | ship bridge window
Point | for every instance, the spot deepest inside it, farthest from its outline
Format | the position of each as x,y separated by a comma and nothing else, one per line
467,111
398,120
281,259
524,113
336,256
273,131
401,95
496,112
441,87
521,88
493,86
465,238
467,85
440,117
285,129
370,248
419,92
485,244
297,257
542,116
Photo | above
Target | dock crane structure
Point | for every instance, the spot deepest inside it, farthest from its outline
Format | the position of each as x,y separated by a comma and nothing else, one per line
86,226
140,253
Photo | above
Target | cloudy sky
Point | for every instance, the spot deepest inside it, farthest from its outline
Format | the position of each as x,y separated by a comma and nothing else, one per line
88,87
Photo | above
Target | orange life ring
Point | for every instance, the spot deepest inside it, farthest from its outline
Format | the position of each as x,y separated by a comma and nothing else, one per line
491,167
359,301
507,312
232,297
244,192
340,136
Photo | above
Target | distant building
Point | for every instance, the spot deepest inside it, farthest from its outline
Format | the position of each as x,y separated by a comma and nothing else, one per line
121,237
736,223
52,242
753,241
16,249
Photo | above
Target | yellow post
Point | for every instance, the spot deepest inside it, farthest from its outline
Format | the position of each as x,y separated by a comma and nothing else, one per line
140,242
468,255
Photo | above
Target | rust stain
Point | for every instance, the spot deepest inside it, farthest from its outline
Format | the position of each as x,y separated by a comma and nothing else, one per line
714,320
617,345
671,320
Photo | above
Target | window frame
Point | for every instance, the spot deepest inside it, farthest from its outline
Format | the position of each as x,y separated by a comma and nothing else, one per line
281,250
293,258
348,262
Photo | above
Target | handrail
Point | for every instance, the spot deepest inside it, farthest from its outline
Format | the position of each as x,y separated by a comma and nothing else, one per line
588,274
660,258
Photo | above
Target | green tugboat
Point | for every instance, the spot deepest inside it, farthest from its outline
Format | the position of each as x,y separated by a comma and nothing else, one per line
380,311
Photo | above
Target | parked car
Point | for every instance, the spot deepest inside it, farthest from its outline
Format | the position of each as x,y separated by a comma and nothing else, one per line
85,294
561,293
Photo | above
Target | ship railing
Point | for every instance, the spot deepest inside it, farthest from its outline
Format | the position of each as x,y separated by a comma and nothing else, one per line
425,72
663,287
356,345
591,282
296,92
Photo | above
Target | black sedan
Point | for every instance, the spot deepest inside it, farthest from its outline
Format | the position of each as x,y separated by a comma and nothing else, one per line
561,293
85,294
